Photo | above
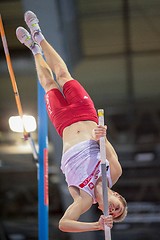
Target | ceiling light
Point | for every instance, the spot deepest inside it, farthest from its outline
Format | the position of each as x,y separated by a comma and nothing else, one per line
18,124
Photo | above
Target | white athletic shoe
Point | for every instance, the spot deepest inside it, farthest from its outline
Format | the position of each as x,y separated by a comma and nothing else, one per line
24,37
32,22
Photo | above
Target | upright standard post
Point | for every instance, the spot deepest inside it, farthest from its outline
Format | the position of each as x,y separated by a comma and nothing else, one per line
43,202
103,169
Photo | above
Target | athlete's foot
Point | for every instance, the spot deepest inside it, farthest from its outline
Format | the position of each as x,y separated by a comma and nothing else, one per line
32,22
25,38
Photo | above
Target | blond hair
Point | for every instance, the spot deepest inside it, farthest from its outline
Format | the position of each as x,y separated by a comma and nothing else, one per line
124,213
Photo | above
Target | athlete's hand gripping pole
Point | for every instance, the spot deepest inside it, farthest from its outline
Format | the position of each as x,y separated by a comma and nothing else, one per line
103,169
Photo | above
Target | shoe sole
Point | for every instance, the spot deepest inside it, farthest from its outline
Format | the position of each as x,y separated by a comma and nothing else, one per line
30,19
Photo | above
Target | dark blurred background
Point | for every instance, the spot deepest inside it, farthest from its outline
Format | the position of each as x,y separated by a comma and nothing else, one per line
113,49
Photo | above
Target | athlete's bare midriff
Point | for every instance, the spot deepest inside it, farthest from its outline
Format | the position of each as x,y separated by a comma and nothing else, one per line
76,133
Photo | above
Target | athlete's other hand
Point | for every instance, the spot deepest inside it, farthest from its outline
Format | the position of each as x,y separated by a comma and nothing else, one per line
105,221
99,131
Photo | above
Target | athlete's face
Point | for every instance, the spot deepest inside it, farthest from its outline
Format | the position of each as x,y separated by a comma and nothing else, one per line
115,205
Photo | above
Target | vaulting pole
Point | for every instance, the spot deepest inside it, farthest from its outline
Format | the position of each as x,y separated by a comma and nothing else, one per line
27,136
11,73
103,169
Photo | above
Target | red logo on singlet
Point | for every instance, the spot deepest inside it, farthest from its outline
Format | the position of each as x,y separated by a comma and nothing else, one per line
91,185
87,180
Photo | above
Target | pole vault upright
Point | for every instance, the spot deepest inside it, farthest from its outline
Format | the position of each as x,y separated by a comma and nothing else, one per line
43,199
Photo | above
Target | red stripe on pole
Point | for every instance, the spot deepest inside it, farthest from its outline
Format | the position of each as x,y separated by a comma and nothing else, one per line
46,198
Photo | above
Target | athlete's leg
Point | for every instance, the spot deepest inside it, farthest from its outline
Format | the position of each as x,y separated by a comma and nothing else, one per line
53,59
44,72
73,91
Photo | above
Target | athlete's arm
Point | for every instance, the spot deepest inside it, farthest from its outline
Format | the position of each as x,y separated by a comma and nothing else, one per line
70,223
111,155
115,167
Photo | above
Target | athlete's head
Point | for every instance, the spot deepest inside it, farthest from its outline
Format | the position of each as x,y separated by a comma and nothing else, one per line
116,203
117,206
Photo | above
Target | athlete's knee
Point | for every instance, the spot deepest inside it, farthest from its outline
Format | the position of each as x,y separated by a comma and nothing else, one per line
62,74
47,83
